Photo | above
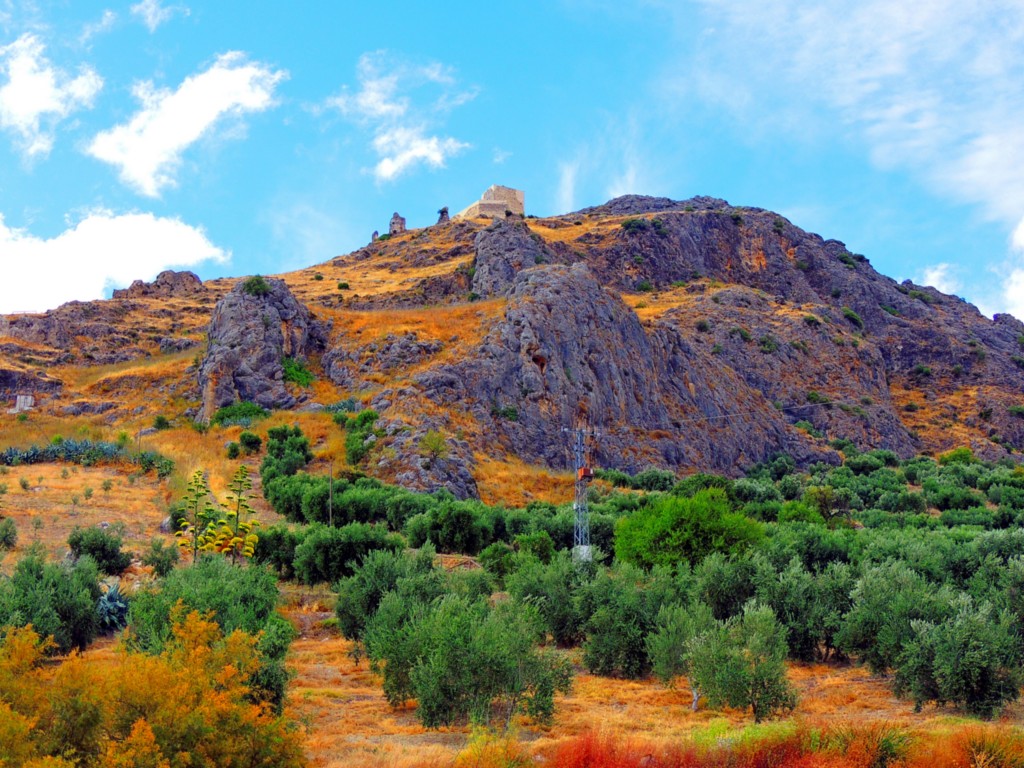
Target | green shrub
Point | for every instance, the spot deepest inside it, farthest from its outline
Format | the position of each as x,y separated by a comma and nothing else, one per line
237,598
644,286
380,572
112,610
58,601
8,533
460,658
327,554
672,529
296,372
678,630
233,450
161,422
743,664
162,558
242,412
256,286
250,442
276,548
812,320
343,286
853,317
635,225
103,546
970,659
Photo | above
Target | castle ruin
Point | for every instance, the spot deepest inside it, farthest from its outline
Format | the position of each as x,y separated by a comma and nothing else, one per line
496,201
397,225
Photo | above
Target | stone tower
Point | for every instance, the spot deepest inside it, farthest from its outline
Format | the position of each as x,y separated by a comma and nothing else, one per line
397,225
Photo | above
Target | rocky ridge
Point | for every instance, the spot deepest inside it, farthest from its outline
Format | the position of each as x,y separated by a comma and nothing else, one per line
691,334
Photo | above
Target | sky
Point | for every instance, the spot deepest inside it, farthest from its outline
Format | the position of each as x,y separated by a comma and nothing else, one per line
235,138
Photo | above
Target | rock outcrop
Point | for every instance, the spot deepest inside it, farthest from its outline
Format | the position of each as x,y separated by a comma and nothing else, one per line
569,349
168,283
503,250
249,335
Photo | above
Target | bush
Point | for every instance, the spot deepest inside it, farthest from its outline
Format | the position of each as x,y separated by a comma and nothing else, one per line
276,548
551,588
161,557
112,610
8,533
256,286
161,422
673,529
58,601
743,664
104,547
380,572
242,412
296,372
853,317
460,658
234,450
237,598
677,632
970,659
250,442
328,554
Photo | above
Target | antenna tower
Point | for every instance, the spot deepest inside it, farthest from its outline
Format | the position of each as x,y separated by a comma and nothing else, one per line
581,551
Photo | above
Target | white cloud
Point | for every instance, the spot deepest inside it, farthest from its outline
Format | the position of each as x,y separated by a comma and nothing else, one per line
91,30
402,148
36,96
935,89
153,14
401,128
103,249
941,277
147,149
500,155
566,197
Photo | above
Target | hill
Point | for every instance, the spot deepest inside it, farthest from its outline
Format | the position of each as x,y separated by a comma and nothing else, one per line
692,335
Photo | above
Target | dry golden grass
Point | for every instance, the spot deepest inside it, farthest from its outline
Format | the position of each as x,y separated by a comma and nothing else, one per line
351,723
46,513
513,483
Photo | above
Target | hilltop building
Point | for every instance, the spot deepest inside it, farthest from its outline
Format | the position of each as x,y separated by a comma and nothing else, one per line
397,225
496,201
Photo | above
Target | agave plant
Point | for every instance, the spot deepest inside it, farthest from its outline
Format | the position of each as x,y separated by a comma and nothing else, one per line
112,609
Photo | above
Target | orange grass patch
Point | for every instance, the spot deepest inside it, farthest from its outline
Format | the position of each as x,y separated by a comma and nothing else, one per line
46,514
514,483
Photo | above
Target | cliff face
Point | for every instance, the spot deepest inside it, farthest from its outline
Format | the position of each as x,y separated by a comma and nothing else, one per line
690,334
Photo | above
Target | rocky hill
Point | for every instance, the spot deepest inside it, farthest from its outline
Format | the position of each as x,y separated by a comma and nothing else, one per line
692,335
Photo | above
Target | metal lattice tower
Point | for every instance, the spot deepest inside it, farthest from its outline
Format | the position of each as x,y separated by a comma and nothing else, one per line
581,551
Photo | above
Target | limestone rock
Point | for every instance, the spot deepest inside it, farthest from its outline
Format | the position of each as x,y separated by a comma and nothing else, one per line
248,337
502,251
168,283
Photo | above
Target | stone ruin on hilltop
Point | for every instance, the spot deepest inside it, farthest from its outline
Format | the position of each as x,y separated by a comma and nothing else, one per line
496,201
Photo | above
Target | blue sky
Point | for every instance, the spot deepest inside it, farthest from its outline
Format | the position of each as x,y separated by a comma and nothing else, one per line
240,137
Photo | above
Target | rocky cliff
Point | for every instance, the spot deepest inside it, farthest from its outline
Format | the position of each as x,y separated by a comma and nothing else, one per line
690,334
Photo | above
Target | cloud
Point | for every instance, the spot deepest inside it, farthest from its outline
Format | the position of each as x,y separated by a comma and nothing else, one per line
402,148
148,149
500,155
153,14
402,128
100,251
565,200
36,96
935,89
92,29
941,277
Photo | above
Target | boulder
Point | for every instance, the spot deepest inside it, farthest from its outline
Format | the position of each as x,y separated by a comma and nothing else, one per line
249,335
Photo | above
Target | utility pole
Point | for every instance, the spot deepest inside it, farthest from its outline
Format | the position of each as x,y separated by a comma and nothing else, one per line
581,552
